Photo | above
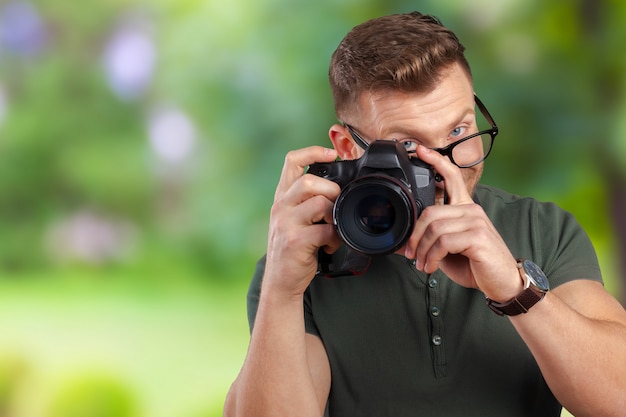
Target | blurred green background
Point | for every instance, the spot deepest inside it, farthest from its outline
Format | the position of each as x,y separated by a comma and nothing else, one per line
141,141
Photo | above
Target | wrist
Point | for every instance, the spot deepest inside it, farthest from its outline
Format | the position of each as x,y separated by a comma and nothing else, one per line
536,285
286,283
509,290
276,295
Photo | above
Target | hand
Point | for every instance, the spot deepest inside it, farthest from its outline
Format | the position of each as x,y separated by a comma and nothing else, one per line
300,222
459,239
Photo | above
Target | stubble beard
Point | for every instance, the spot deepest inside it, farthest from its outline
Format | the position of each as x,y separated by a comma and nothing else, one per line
471,178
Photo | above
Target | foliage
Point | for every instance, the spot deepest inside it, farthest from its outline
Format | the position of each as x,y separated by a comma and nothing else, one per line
164,177
253,85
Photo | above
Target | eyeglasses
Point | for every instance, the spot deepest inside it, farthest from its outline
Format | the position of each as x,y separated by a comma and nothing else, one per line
464,153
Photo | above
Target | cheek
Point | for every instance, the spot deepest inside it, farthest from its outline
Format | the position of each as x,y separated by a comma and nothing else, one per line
471,177
439,197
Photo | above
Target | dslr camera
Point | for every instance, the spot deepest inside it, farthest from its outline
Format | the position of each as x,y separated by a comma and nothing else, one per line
382,194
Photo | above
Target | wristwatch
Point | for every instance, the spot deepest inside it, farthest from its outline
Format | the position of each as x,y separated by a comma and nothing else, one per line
536,286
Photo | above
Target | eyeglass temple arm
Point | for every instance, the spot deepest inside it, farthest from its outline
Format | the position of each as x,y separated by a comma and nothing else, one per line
486,113
358,139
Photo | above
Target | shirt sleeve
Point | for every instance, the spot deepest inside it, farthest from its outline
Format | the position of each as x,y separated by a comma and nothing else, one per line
543,233
566,252
309,320
254,294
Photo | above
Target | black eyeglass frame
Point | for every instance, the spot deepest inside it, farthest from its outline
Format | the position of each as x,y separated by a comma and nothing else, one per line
447,150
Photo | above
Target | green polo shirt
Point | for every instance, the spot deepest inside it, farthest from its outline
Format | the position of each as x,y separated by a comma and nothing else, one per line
404,343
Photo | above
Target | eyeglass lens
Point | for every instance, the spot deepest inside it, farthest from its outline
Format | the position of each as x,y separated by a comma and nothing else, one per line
471,151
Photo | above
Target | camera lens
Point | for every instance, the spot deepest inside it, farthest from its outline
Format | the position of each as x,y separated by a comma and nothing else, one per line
374,214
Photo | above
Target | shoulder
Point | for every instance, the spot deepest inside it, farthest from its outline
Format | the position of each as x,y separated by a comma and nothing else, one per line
488,196
502,206
543,232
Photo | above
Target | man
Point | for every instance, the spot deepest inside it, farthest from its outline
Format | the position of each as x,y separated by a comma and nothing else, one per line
415,334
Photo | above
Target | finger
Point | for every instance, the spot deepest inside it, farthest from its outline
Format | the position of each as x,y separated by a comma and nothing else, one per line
309,186
321,231
297,233
296,162
453,179
309,201
434,223
317,209
454,229
453,241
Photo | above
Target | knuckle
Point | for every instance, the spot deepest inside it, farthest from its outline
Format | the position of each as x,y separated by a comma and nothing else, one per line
319,203
427,212
475,209
276,209
291,238
444,241
307,181
435,228
482,234
290,157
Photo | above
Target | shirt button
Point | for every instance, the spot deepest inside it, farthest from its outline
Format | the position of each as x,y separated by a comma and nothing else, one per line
435,311
437,340
432,282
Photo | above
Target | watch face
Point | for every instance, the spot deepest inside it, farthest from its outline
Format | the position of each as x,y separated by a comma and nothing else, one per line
537,275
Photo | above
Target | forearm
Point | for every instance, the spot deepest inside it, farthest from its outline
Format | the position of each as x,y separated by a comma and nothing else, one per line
275,378
582,359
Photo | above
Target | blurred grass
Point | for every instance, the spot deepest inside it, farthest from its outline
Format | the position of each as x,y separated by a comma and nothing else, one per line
177,346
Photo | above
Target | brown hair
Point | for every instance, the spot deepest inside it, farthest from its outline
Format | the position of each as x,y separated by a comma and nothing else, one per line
401,52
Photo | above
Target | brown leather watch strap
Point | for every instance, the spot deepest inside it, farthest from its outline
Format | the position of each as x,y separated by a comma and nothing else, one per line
530,296
518,305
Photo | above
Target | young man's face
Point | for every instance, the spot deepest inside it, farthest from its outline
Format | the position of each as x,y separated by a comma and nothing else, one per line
433,119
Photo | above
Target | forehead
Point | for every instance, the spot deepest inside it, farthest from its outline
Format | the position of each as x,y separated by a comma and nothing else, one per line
386,112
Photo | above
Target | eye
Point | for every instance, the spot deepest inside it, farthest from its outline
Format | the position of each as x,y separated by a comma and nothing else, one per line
457,132
410,145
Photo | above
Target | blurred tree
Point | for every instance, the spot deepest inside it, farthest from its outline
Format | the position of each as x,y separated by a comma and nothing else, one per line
67,142
173,117
604,22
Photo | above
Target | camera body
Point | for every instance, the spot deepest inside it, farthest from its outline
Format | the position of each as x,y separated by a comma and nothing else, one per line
382,194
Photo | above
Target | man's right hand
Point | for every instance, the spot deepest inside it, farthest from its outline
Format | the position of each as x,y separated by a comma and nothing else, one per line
300,223
287,371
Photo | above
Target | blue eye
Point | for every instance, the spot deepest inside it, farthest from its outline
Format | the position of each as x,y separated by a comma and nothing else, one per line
457,132
410,145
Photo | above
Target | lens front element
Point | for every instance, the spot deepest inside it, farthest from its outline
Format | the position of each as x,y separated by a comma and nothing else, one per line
375,214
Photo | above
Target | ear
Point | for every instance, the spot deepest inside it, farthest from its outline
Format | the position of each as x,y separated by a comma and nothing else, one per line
344,144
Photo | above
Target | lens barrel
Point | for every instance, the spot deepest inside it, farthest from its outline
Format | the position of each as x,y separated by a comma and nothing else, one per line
374,214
